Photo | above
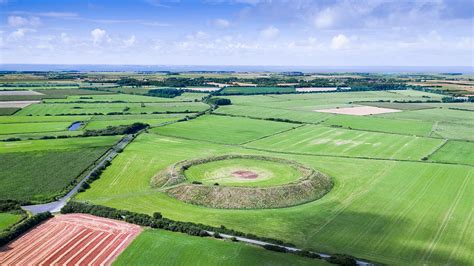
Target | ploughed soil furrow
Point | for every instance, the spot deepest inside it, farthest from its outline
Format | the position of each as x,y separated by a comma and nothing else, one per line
30,243
71,239
110,250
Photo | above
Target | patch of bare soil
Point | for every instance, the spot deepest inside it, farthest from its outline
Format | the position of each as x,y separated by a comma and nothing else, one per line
245,174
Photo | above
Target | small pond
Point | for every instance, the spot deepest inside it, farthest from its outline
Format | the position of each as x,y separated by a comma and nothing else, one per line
75,126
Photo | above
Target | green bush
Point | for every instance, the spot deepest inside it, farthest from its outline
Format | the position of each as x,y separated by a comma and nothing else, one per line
117,130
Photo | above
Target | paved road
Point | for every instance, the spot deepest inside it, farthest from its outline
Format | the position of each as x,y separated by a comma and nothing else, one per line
262,243
56,206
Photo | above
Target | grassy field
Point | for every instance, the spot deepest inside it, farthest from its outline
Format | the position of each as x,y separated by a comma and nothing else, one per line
370,123
375,211
256,90
105,108
265,113
57,144
336,141
8,219
126,98
169,248
99,122
230,130
7,111
13,128
46,173
455,152
221,172
389,203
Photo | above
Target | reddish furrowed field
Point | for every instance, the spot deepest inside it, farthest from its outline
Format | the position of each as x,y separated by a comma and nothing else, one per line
71,239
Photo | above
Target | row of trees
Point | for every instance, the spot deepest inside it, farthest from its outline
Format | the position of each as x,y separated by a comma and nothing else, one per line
117,130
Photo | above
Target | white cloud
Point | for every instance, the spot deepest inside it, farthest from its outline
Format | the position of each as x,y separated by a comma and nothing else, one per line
339,42
18,21
325,19
19,34
130,41
270,33
99,35
221,23
64,37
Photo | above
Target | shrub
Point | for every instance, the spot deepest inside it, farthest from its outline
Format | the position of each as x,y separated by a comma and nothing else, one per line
275,248
12,139
197,183
157,215
9,205
117,130
165,93
220,101
342,259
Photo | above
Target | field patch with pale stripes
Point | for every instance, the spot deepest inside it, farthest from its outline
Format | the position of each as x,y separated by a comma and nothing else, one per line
71,239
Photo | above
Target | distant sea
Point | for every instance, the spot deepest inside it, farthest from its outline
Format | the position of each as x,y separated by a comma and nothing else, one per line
229,68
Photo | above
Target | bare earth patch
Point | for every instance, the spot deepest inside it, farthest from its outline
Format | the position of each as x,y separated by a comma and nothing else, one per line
245,174
71,239
360,110
19,93
16,104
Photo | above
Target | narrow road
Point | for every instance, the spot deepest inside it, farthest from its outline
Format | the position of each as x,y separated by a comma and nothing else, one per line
293,249
56,206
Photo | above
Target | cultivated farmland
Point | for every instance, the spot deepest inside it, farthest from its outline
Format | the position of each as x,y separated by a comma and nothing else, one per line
71,239
265,161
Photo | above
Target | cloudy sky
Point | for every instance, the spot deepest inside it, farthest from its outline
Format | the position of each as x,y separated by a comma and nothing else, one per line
238,32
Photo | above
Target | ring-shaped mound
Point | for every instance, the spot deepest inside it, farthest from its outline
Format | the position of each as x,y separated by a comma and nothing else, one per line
308,185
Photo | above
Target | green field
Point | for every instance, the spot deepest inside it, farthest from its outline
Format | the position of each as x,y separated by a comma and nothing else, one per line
336,141
8,219
370,123
47,167
256,90
47,173
266,113
13,128
57,144
160,247
223,172
126,98
7,111
230,130
455,152
99,122
106,108
387,215
400,184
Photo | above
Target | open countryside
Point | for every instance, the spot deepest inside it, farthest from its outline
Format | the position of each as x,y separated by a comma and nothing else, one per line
236,133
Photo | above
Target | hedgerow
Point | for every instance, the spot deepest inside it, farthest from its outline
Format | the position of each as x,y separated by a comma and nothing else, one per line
18,229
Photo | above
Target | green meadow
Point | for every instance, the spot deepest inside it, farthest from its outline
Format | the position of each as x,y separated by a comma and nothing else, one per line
163,247
375,211
223,129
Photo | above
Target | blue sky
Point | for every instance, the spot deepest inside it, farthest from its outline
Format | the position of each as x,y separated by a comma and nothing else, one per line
238,32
